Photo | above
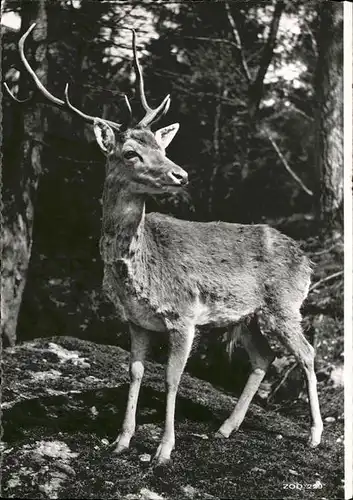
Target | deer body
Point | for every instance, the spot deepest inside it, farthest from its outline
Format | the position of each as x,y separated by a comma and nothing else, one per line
214,273
166,274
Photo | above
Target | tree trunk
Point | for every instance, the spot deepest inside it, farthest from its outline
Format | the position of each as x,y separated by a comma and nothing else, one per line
329,116
23,164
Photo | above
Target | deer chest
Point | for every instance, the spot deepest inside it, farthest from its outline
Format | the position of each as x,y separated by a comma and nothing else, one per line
130,294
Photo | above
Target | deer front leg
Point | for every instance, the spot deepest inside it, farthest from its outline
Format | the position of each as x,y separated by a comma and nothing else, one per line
139,346
180,346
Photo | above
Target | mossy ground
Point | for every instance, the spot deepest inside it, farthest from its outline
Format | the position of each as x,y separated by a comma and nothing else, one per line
65,399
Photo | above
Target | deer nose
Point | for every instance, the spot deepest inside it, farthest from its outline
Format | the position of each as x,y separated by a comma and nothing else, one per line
179,177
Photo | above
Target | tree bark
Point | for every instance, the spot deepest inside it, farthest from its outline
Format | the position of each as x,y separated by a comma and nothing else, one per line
329,116
23,164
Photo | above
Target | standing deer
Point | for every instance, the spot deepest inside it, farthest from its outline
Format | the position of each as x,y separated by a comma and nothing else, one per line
168,275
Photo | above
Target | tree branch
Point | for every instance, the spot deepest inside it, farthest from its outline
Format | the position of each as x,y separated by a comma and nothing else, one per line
256,90
285,163
237,43
214,40
326,250
328,278
227,101
285,110
282,381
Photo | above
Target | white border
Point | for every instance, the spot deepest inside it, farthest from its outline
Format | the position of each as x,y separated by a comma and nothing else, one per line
348,229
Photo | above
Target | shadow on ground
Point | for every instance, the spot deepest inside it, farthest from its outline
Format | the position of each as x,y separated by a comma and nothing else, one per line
64,400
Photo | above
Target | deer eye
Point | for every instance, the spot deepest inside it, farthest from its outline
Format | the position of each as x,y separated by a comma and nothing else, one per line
129,155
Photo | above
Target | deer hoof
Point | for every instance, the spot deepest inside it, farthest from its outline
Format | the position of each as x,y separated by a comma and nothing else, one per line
315,437
162,463
119,450
225,430
220,435
120,445
162,456
313,444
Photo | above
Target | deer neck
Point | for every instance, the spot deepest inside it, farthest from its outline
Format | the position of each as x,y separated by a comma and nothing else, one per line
123,220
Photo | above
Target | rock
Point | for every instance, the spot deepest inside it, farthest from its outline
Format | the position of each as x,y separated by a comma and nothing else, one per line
55,449
200,436
65,468
94,411
13,482
264,390
257,469
146,494
52,486
337,376
189,491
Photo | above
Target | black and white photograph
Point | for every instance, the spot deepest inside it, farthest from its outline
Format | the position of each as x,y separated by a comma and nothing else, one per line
176,239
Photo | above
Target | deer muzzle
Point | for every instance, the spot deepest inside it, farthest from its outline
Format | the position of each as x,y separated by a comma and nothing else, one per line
178,177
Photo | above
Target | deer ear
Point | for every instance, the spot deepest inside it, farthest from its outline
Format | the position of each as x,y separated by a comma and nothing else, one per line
104,136
165,135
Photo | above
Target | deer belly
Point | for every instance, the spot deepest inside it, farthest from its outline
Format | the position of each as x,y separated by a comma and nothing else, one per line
219,314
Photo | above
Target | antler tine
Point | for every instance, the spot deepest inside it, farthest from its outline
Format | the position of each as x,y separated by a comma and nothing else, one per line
116,126
20,101
28,67
152,115
128,105
76,110
139,75
156,114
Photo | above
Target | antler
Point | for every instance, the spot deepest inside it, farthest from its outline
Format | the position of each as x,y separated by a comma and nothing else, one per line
152,115
50,97
20,101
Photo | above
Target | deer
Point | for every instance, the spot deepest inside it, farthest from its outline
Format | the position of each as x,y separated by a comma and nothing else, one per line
169,275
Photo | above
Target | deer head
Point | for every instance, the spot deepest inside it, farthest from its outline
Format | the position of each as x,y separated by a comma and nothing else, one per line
137,158
135,155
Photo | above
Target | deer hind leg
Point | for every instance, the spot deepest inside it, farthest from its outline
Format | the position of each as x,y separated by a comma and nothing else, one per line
261,356
290,332
180,347
139,347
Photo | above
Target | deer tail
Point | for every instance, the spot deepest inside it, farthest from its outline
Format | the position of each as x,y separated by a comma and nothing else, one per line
232,337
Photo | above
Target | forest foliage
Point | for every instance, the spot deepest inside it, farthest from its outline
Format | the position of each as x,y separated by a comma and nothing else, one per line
229,157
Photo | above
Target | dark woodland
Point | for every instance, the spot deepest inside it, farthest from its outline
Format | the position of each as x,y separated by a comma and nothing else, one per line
257,88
